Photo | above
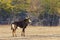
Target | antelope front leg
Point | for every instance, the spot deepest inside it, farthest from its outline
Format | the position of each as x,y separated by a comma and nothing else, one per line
23,32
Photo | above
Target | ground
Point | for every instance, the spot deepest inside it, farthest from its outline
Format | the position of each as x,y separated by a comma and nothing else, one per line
32,33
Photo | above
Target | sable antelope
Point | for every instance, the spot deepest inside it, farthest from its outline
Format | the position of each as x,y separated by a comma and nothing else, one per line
22,24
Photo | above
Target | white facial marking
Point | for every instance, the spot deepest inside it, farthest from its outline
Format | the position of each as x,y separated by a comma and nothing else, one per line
29,20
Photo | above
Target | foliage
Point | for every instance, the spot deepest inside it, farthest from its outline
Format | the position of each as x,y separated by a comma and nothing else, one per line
38,9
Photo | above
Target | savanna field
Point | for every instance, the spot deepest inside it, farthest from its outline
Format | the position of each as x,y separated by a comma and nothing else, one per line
32,33
40,12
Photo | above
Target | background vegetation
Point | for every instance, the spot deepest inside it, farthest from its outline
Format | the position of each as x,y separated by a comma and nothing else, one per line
41,12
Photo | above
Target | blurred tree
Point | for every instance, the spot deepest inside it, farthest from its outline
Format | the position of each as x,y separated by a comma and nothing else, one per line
38,9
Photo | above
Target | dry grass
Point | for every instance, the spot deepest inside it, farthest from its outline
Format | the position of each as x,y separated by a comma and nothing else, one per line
32,33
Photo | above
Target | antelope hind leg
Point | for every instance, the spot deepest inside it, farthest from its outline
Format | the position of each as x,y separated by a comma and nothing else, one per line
14,33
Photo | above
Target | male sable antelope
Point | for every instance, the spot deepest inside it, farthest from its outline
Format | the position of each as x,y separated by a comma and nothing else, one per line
22,24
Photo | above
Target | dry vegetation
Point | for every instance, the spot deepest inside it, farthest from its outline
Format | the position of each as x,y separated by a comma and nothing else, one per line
32,33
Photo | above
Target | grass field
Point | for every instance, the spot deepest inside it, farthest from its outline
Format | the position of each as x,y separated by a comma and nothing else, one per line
32,33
